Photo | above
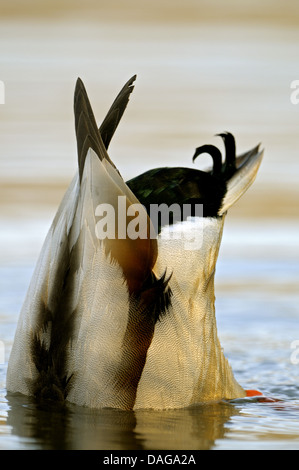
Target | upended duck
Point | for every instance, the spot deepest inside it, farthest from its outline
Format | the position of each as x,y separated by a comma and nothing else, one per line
127,320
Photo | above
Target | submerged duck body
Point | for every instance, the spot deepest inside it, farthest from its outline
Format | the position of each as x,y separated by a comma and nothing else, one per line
121,321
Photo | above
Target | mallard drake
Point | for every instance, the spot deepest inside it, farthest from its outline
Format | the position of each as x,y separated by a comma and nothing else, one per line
112,320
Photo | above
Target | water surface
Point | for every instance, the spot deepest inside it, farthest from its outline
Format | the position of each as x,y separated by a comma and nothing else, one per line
197,75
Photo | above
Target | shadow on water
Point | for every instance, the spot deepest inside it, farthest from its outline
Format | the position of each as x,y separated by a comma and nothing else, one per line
50,427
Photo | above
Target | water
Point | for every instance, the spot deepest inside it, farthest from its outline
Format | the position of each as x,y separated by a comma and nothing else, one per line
257,311
197,75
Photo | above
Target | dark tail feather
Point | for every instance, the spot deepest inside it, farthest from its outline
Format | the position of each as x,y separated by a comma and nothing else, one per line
215,154
87,132
116,111
229,166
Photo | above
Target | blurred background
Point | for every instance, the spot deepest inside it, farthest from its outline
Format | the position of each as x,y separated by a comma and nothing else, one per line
203,67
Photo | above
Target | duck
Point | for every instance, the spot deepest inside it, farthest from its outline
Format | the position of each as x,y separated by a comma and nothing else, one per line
126,319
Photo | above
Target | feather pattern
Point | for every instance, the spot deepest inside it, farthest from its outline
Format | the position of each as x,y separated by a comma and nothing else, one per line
129,322
68,292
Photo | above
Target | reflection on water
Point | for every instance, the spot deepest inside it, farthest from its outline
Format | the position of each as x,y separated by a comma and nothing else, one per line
195,78
200,427
242,424
75,428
